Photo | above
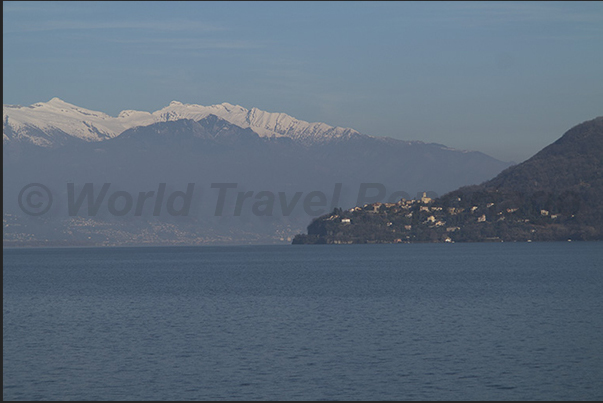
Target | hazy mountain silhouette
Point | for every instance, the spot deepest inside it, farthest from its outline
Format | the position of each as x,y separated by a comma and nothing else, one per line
215,151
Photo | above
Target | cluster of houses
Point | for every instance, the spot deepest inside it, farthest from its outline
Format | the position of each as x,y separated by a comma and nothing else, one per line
436,219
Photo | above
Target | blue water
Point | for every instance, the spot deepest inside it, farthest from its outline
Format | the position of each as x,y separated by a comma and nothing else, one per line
498,321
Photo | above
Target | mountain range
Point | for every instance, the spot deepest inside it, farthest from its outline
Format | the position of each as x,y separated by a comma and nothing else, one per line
50,124
272,158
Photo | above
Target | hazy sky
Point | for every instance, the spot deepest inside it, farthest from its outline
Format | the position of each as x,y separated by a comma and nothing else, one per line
504,78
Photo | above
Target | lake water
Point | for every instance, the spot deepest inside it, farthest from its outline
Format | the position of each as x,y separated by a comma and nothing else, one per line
500,321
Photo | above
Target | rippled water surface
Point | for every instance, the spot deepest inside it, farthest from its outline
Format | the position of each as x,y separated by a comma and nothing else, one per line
369,322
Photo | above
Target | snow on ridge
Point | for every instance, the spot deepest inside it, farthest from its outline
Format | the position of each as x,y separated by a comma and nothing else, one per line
266,124
58,116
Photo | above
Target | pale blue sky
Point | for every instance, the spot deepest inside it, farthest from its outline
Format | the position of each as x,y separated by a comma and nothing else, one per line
504,78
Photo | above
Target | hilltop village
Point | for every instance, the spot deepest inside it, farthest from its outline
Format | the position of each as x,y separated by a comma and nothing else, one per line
557,195
481,216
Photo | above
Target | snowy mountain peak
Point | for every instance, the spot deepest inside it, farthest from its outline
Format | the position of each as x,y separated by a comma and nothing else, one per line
58,101
42,122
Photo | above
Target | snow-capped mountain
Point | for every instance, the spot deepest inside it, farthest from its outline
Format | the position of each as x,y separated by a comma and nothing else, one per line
44,123
57,143
48,124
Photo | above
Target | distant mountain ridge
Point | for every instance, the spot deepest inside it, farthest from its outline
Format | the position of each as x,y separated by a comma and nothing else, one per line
57,143
45,122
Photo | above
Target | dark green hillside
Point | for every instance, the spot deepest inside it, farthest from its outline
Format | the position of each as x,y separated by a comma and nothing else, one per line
572,163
